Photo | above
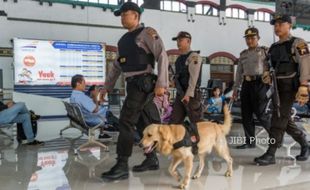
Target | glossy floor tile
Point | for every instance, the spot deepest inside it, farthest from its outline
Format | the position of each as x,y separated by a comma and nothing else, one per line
55,167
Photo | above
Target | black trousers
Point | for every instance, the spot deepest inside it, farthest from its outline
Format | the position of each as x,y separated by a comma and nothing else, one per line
150,114
193,109
132,110
284,123
254,101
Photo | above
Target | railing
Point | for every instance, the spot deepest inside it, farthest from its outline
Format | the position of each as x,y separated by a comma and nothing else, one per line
83,3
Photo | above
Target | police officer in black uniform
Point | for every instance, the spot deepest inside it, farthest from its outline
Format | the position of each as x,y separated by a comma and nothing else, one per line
188,79
290,58
252,67
138,50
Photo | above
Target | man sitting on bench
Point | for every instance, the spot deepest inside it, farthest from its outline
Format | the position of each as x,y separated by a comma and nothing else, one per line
93,113
18,113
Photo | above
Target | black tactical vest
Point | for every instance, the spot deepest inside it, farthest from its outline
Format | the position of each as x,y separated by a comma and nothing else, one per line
131,56
282,58
182,72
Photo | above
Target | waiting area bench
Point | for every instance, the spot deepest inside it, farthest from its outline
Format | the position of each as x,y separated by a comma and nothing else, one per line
77,121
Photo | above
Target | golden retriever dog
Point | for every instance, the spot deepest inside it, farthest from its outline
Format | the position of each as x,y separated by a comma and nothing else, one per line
212,135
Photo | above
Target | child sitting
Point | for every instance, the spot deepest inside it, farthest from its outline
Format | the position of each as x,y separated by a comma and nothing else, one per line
215,103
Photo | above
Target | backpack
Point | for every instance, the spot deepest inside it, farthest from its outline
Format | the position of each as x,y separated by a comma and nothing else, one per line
34,123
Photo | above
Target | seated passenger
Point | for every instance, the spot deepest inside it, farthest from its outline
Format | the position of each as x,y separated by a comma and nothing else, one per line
215,103
302,109
163,105
94,93
93,112
18,113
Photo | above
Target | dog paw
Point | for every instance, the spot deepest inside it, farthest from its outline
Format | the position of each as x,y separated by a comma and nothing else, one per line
196,176
182,186
176,176
228,174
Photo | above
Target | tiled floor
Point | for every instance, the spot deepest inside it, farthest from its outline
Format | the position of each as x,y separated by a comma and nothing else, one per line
55,167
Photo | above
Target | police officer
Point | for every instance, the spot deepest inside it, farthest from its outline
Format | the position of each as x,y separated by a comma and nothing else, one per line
251,71
188,79
290,58
138,50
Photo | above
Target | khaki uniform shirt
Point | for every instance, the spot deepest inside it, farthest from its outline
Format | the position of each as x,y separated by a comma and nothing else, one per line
194,62
252,62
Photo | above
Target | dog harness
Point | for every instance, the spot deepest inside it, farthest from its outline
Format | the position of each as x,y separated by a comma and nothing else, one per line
186,141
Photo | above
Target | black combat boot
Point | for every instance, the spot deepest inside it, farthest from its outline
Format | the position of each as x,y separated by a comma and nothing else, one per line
304,154
150,163
118,171
268,158
304,150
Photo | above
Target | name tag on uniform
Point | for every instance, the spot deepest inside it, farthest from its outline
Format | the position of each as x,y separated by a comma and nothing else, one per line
122,60
248,78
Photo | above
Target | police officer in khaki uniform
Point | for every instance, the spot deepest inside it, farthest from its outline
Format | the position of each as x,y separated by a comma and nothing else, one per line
188,79
138,50
250,71
290,59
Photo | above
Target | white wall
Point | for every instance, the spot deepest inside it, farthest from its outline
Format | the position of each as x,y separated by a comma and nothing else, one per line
6,65
41,104
208,35
302,34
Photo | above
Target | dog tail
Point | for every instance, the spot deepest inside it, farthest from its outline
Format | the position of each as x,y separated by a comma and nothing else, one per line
227,120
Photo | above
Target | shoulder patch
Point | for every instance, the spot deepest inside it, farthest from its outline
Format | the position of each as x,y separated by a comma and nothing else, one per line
264,48
194,58
243,51
152,33
302,48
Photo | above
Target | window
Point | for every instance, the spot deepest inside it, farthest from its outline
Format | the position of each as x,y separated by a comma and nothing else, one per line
110,2
174,6
138,2
222,60
262,16
236,13
206,10
222,67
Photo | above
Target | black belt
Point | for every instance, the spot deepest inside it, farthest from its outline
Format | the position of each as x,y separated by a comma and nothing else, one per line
137,77
250,78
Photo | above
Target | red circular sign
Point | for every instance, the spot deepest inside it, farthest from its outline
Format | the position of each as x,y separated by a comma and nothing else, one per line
29,61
